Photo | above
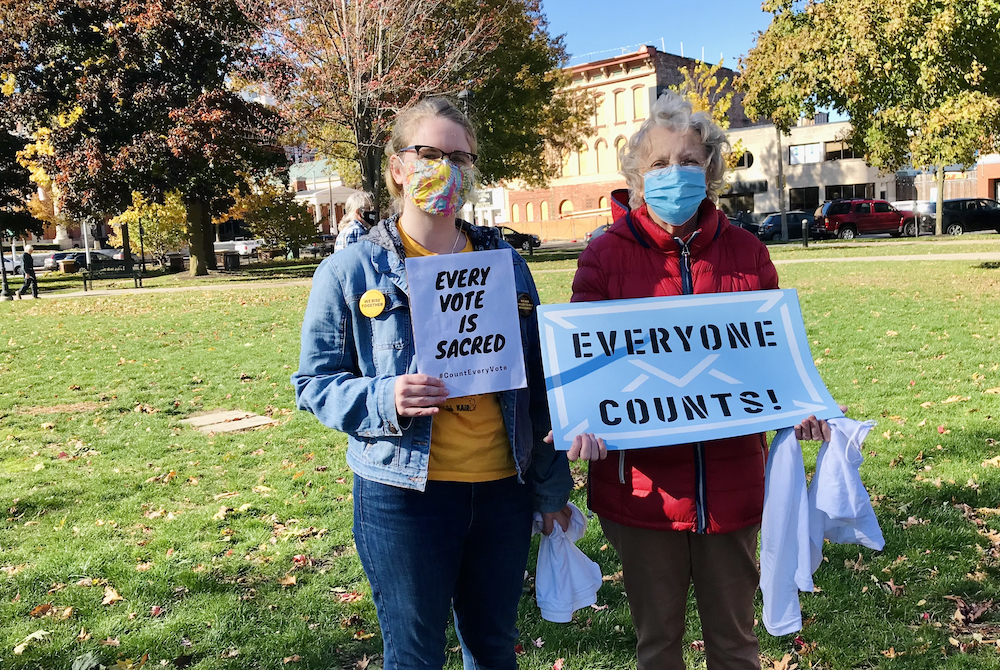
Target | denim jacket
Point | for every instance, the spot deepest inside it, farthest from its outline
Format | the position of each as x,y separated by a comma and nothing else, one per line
349,363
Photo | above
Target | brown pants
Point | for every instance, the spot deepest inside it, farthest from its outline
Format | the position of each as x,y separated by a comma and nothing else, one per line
658,568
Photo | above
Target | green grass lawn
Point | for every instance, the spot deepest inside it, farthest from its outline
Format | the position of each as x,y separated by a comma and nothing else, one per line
234,551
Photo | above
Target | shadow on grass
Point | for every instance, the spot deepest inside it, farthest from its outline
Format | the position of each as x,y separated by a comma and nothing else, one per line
546,256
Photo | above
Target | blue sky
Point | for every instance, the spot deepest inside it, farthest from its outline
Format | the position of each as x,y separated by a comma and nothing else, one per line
728,27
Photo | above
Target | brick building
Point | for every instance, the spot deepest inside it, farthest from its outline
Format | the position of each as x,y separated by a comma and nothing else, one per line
624,87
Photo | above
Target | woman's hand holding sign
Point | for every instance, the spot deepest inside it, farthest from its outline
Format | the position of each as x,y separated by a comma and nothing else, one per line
586,446
419,395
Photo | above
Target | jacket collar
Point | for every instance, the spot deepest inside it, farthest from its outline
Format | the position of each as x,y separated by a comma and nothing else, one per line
646,232
388,255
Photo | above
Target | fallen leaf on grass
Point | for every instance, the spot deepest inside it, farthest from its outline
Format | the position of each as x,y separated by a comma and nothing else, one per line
892,653
362,635
558,665
129,664
111,596
698,645
992,462
598,607
287,580
41,610
995,391
351,597
111,642
155,610
83,636
294,658
616,577
783,664
927,404
539,642
143,567
954,398
37,636
221,514
942,430
230,653
363,663
518,649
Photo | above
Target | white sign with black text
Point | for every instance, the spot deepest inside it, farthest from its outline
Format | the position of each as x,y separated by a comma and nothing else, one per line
466,328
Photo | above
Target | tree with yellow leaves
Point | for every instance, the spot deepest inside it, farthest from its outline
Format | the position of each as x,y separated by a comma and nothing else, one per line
707,92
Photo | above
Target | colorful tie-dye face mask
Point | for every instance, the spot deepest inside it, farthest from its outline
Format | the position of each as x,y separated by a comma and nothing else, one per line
437,187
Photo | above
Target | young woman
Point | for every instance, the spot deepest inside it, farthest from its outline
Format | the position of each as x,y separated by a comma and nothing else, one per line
444,490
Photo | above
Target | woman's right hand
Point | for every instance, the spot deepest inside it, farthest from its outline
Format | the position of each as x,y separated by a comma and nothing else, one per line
419,395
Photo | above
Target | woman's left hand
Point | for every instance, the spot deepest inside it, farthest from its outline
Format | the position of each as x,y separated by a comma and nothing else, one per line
815,429
549,519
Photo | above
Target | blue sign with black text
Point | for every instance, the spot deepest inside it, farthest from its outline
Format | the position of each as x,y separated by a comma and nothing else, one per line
661,371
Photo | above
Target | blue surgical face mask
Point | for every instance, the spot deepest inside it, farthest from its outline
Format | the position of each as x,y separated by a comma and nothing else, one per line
674,192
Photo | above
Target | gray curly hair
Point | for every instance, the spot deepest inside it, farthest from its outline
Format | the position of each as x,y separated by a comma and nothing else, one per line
675,113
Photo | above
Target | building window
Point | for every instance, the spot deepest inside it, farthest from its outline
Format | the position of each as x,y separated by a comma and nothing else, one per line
850,191
603,202
805,199
619,145
639,102
802,154
515,214
529,212
619,106
836,151
565,208
571,166
584,160
545,210
600,117
735,204
601,156
746,160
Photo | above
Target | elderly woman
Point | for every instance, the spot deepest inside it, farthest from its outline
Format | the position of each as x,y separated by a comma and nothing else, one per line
359,217
687,513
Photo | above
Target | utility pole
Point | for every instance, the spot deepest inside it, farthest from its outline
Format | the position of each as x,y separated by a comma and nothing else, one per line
781,187
939,205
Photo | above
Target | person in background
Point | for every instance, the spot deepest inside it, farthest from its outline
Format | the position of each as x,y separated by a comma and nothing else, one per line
28,270
444,488
690,513
357,220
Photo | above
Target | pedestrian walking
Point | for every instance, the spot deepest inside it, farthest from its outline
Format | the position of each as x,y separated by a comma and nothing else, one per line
28,270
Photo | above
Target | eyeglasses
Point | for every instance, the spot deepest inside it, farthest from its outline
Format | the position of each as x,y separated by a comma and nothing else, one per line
457,158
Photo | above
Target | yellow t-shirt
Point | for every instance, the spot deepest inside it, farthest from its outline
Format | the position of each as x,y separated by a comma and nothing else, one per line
468,438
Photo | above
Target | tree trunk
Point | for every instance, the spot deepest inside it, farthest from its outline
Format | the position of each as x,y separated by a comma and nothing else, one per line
939,206
196,237
126,247
208,234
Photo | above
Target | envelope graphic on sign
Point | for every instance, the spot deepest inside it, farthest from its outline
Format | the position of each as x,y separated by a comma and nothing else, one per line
661,371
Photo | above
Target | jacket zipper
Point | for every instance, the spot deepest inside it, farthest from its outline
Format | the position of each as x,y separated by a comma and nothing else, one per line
700,483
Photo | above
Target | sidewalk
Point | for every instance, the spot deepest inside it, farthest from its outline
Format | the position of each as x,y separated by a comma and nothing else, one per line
989,256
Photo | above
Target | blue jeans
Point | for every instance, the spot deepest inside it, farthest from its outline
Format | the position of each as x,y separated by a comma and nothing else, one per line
458,546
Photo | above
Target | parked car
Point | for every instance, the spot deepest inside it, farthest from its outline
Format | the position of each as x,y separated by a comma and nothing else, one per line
248,247
748,220
596,232
322,247
770,227
959,215
518,240
847,219
51,261
12,266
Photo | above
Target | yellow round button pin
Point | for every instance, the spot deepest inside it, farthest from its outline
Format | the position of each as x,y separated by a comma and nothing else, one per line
372,303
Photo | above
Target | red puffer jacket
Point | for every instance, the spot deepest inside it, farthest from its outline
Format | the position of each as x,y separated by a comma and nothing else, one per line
710,487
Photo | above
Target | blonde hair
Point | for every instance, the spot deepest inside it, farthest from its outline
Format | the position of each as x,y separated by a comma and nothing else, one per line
363,201
406,125
673,112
